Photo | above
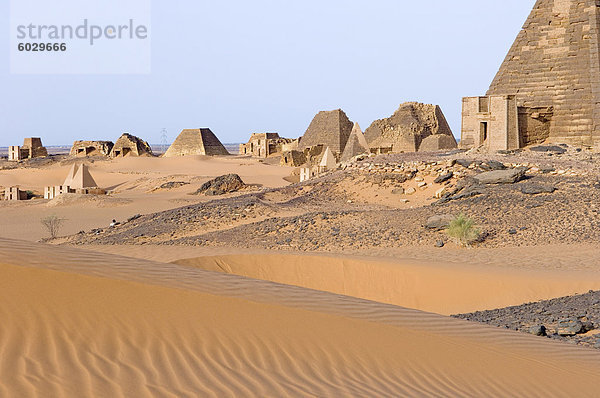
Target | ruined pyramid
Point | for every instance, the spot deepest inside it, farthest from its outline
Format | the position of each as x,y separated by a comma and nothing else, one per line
330,129
555,62
356,145
79,177
196,142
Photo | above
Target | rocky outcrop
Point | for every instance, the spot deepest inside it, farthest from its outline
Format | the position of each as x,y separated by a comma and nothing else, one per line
221,185
409,130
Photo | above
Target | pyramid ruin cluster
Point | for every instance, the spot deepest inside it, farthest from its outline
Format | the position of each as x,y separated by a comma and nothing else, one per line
332,138
547,88
31,148
79,180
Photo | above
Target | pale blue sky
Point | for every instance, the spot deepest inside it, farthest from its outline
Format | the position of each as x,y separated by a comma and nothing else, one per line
264,65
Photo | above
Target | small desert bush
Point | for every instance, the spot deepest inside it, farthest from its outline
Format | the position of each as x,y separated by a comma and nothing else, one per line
52,224
463,230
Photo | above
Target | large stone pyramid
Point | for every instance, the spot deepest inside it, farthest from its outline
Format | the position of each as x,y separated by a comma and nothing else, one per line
555,62
196,142
330,129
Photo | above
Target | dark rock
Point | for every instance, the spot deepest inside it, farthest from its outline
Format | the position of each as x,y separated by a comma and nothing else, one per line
439,222
547,169
464,162
549,149
440,244
569,327
538,330
398,191
443,178
221,185
512,231
535,189
173,184
493,165
500,176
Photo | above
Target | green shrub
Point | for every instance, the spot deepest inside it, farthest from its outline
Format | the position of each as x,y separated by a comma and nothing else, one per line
463,230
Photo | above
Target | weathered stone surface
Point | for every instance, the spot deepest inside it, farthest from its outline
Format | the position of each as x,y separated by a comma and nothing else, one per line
535,189
221,185
551,148
408,128
130,145
538,330
569,327
554,62
439,222
500,176
196,142
330,129
443,178
91,148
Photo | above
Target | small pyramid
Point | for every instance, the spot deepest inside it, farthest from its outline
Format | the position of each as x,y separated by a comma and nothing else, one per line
79,177
196,142
357,144
69,180
328,160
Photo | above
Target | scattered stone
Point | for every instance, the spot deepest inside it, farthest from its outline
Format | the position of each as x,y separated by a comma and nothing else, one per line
538,330
173,184
536,189
443,178
500,176
569,327
440,244
439,222
493,165
464,163
422,185
410,191
398,191
440,193
512,231
221,185
549,149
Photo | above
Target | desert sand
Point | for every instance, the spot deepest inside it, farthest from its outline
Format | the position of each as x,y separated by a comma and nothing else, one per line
78,323
133,182
113,315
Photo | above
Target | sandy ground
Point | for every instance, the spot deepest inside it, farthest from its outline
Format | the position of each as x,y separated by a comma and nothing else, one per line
133,181
77,323
447,285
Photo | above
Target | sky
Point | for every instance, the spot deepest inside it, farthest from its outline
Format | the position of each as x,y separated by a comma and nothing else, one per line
264,65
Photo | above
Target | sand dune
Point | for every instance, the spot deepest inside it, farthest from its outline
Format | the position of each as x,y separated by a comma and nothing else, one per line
439,287
78,324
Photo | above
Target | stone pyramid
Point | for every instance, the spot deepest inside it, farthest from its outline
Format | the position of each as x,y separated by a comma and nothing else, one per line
328,160
79,177
555,62
196,142
356,145
330,129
